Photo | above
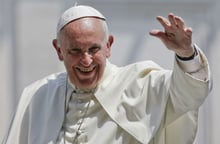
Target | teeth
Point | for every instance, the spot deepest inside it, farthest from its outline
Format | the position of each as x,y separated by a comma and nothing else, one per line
86,69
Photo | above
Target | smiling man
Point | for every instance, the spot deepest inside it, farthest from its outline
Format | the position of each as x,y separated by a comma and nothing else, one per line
84,45
96,102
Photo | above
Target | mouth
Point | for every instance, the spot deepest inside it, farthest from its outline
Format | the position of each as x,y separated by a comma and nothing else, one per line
86,70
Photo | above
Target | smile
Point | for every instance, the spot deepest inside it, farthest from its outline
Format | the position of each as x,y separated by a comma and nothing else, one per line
86,70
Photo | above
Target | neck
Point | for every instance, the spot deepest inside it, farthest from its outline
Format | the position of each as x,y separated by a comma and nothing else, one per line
79,90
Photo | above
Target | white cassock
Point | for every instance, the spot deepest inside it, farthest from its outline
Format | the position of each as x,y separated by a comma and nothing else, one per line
137,104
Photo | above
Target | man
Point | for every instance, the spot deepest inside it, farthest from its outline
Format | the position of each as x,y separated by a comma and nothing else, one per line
96,102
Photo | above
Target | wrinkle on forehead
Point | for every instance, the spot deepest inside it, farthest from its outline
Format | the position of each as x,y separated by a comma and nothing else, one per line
83,33
86,22
84,25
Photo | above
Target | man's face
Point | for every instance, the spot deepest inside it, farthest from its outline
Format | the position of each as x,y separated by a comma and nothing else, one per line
84,49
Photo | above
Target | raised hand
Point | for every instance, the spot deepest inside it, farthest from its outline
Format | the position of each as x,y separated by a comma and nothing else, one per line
176,36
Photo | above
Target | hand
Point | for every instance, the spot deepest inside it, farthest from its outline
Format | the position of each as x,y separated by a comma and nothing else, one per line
176,36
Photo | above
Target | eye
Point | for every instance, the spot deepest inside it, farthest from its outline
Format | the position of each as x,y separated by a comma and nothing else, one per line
93,50
75,51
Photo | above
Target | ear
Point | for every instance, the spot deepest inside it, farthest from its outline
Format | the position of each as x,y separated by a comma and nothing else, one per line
109,44
56,45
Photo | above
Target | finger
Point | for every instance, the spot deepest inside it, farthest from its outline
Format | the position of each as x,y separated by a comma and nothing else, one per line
156,33
162,36
163,21
172,20
179,22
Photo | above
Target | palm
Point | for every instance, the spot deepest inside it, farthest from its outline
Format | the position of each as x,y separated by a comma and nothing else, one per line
175,36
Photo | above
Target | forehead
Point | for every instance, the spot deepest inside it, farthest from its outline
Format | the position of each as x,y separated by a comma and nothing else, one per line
84,25
83,31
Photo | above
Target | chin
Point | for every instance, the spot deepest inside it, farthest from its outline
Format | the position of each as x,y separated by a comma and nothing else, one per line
87,87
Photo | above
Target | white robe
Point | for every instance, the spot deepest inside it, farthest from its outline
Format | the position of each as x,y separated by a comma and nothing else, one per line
153,105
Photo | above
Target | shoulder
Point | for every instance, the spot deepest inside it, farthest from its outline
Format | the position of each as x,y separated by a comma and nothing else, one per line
49,82
136,70
141,67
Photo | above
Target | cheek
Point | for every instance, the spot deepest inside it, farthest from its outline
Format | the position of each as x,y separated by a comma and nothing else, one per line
100,57
69,61
104,53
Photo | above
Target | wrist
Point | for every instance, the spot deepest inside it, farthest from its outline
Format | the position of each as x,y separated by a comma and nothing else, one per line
188,58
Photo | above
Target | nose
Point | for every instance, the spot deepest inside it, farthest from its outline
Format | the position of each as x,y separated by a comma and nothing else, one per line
86,59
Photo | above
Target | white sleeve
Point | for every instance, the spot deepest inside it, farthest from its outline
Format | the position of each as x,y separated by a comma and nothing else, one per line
194,67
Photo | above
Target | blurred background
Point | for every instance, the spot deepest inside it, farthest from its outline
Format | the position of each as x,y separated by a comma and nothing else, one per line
27,28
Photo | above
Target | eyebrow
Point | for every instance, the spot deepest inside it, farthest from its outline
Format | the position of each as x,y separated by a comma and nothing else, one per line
91,46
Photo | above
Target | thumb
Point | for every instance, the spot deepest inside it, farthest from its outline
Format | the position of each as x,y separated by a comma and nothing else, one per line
159,34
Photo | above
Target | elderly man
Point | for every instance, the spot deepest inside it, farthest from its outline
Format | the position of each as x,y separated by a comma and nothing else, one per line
96,102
